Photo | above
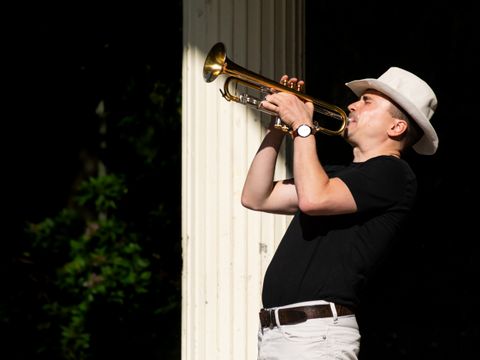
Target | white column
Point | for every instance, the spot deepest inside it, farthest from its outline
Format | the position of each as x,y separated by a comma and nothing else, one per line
226,248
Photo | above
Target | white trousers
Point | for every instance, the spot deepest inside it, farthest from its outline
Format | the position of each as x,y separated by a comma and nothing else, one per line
333,338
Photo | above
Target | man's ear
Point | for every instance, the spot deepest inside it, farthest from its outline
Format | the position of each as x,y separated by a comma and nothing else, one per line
397,128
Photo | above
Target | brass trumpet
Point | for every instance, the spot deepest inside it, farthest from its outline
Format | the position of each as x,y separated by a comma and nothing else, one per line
217,63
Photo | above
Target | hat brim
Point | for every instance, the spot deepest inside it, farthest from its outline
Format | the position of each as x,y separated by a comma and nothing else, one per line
428,143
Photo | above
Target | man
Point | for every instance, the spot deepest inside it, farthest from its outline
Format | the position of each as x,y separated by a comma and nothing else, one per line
346,217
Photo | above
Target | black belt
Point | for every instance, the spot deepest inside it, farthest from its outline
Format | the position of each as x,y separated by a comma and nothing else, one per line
296,315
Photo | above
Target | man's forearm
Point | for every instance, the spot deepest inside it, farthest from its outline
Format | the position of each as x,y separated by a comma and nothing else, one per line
259,182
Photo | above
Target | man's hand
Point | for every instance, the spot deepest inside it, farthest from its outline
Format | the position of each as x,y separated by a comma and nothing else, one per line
289,107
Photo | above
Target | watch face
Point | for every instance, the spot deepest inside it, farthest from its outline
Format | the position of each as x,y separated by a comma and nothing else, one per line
304,130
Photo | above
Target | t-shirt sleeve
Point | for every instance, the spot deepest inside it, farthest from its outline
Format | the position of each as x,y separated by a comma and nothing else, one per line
379,183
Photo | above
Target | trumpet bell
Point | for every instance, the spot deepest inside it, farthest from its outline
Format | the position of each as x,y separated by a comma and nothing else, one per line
214,62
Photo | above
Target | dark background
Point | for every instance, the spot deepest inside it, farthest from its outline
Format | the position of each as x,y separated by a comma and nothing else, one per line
58,67
60,63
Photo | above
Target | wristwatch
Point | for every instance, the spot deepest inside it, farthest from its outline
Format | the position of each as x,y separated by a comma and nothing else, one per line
303,131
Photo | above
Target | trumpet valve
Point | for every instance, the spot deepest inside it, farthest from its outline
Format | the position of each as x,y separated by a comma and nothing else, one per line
279,125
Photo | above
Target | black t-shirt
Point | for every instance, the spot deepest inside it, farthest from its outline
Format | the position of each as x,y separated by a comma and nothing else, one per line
330,257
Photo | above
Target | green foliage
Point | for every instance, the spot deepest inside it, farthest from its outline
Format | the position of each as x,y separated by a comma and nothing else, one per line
108,265
104,264
97,273
102,192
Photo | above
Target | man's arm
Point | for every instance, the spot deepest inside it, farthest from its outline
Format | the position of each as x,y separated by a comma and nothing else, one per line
260,191
315,192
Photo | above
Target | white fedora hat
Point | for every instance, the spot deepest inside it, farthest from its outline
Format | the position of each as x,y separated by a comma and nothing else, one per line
413,95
